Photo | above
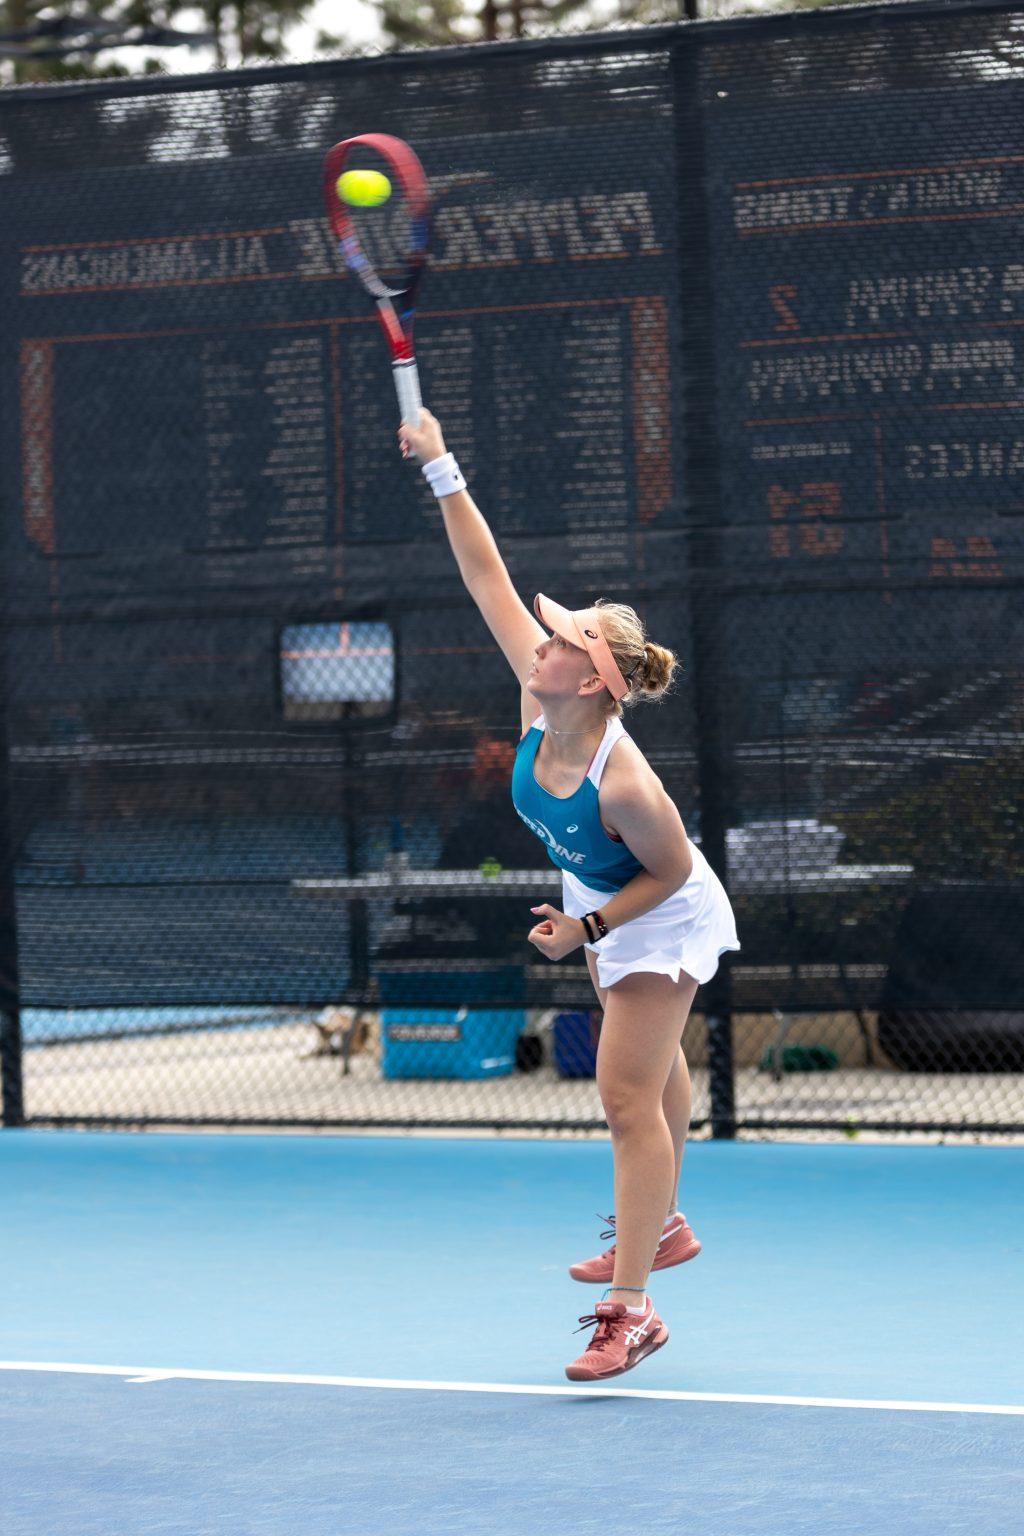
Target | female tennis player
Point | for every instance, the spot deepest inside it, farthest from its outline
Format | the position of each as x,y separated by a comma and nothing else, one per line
641,900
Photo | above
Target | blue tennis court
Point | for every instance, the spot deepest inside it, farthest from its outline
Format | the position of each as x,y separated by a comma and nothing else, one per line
278,1334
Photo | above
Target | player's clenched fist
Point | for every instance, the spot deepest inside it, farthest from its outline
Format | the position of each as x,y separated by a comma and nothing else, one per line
423,440
557,934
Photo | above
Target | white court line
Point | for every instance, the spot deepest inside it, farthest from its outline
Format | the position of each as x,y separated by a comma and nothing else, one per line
143,1374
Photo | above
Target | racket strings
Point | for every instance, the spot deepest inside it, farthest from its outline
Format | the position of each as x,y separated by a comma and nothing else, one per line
383,240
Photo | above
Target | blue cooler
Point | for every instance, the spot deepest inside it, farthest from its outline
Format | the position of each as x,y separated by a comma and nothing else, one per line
449,1042
420,1038
575,1044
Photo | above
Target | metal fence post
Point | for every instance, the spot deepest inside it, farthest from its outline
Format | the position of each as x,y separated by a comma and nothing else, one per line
11,1089
10,1069
358,917
696,426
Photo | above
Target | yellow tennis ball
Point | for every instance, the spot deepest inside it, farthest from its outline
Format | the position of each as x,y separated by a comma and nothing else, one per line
363,189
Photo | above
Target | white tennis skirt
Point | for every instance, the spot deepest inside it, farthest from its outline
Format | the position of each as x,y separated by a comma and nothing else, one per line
685,932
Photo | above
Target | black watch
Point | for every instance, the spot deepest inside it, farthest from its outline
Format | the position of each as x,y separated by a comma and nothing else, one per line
599,923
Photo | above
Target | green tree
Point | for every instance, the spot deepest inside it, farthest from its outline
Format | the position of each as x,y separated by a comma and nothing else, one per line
24,15
441,23
253,29
242,30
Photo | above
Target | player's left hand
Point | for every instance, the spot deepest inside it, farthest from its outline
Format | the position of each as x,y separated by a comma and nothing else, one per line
556,935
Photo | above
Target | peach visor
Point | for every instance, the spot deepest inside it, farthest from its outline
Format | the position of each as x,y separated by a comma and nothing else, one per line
582,627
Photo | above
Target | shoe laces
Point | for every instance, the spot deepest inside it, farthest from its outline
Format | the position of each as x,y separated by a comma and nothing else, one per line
610,1232
605,1332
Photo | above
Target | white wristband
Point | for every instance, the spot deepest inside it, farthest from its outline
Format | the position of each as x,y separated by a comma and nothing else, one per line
444,476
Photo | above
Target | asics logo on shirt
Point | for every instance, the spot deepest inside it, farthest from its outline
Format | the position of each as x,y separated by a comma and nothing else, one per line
572,829
547,836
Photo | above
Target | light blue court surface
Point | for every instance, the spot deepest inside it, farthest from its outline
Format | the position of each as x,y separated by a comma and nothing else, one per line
871,1294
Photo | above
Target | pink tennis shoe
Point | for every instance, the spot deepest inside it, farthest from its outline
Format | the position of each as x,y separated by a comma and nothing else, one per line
676,1246
619,1342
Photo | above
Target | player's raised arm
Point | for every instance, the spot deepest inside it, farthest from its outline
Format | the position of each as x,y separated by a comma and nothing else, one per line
479,560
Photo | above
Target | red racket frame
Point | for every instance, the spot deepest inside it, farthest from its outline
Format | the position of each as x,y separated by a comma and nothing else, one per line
396,323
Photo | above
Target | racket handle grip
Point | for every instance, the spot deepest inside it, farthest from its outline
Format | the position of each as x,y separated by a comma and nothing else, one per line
407,387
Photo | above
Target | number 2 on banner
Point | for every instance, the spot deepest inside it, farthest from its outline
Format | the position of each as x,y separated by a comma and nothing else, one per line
384,242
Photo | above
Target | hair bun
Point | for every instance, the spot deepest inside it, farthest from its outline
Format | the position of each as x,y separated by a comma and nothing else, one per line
657,668
649,675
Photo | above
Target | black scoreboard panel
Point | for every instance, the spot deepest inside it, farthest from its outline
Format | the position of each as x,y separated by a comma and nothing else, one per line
203,401
868,304
202,406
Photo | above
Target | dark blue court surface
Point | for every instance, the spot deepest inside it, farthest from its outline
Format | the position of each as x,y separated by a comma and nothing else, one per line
150,1281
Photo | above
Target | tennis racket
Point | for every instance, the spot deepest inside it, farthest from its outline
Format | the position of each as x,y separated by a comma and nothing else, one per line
385,246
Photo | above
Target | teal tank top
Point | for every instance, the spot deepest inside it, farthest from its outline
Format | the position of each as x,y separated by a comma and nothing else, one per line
570,826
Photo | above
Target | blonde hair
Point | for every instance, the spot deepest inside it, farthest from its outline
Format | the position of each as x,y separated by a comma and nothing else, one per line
651,666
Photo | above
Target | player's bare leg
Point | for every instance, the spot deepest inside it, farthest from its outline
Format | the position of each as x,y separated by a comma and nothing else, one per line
676,1097
643,1024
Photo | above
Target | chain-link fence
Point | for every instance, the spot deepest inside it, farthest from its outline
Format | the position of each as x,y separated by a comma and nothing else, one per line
721,321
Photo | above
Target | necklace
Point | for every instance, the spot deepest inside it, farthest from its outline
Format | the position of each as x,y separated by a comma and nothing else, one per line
575,733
